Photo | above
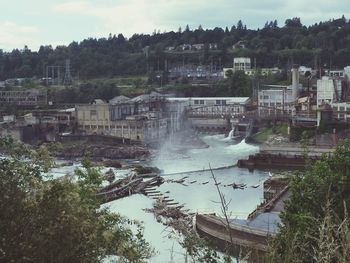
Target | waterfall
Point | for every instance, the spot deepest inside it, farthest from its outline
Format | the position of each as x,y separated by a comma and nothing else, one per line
231,134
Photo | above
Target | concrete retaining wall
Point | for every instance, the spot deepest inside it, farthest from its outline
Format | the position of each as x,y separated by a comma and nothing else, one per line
215,227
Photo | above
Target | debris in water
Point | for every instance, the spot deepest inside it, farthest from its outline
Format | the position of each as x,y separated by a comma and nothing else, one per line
239,186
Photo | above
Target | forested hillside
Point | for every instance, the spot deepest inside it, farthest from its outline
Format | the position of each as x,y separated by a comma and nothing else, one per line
325,44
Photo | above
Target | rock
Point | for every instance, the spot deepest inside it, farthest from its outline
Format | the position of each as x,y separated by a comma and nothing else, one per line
146,170
96,151
112,163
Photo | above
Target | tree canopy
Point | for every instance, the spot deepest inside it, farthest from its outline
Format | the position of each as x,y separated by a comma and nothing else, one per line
46,220
315,222
323,44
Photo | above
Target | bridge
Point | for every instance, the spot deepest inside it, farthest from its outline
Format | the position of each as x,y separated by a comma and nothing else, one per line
223,117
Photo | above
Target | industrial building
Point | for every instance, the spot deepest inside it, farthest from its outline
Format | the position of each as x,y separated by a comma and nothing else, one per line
241,63
142,118
335,92
151,117
279,99
23,97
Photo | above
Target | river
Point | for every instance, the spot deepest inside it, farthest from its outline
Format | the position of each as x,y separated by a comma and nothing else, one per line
198,193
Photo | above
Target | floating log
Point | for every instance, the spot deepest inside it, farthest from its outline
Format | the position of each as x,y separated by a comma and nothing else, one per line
193,182
148,175
150,188
158,195
239,186
180,181
173,203
129,185
205,182
151,192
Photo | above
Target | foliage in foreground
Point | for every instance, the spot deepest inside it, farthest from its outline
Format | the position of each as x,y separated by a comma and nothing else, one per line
316,221
59,220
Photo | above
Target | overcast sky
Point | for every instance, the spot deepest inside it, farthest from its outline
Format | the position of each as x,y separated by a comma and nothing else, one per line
59,22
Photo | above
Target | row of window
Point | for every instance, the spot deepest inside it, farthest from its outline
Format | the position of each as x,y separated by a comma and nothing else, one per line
18,99
217,102
271,104
106,127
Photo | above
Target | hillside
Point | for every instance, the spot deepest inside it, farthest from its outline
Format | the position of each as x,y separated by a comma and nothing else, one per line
325,44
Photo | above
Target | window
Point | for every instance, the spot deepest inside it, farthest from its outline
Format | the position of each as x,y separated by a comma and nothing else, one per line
223,102
218,102
266,97
196,101
201,102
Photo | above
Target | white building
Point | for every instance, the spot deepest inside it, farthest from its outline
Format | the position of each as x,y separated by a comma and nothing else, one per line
347,72
213,105
336,73
328,91
241,63
275,99
341,111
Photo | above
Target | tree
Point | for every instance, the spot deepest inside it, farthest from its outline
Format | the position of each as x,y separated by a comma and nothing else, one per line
293,23
275,24
239,84
239,25
318,205
58,220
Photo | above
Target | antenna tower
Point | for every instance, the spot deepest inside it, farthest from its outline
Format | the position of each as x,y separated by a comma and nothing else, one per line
67,75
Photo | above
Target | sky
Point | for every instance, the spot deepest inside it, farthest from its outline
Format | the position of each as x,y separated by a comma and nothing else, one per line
48,22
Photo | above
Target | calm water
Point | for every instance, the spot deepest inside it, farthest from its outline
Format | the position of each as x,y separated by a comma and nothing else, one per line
196,196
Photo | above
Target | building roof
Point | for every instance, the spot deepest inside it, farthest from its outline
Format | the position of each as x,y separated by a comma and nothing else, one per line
231,99
147,97
67,110
119,99
303,100
98,101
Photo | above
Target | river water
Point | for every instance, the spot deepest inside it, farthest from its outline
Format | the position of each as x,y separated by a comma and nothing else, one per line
198,193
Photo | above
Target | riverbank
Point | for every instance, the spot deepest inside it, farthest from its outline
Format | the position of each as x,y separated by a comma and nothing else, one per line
97,148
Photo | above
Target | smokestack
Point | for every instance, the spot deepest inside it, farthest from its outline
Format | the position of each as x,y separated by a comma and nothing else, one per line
295,82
